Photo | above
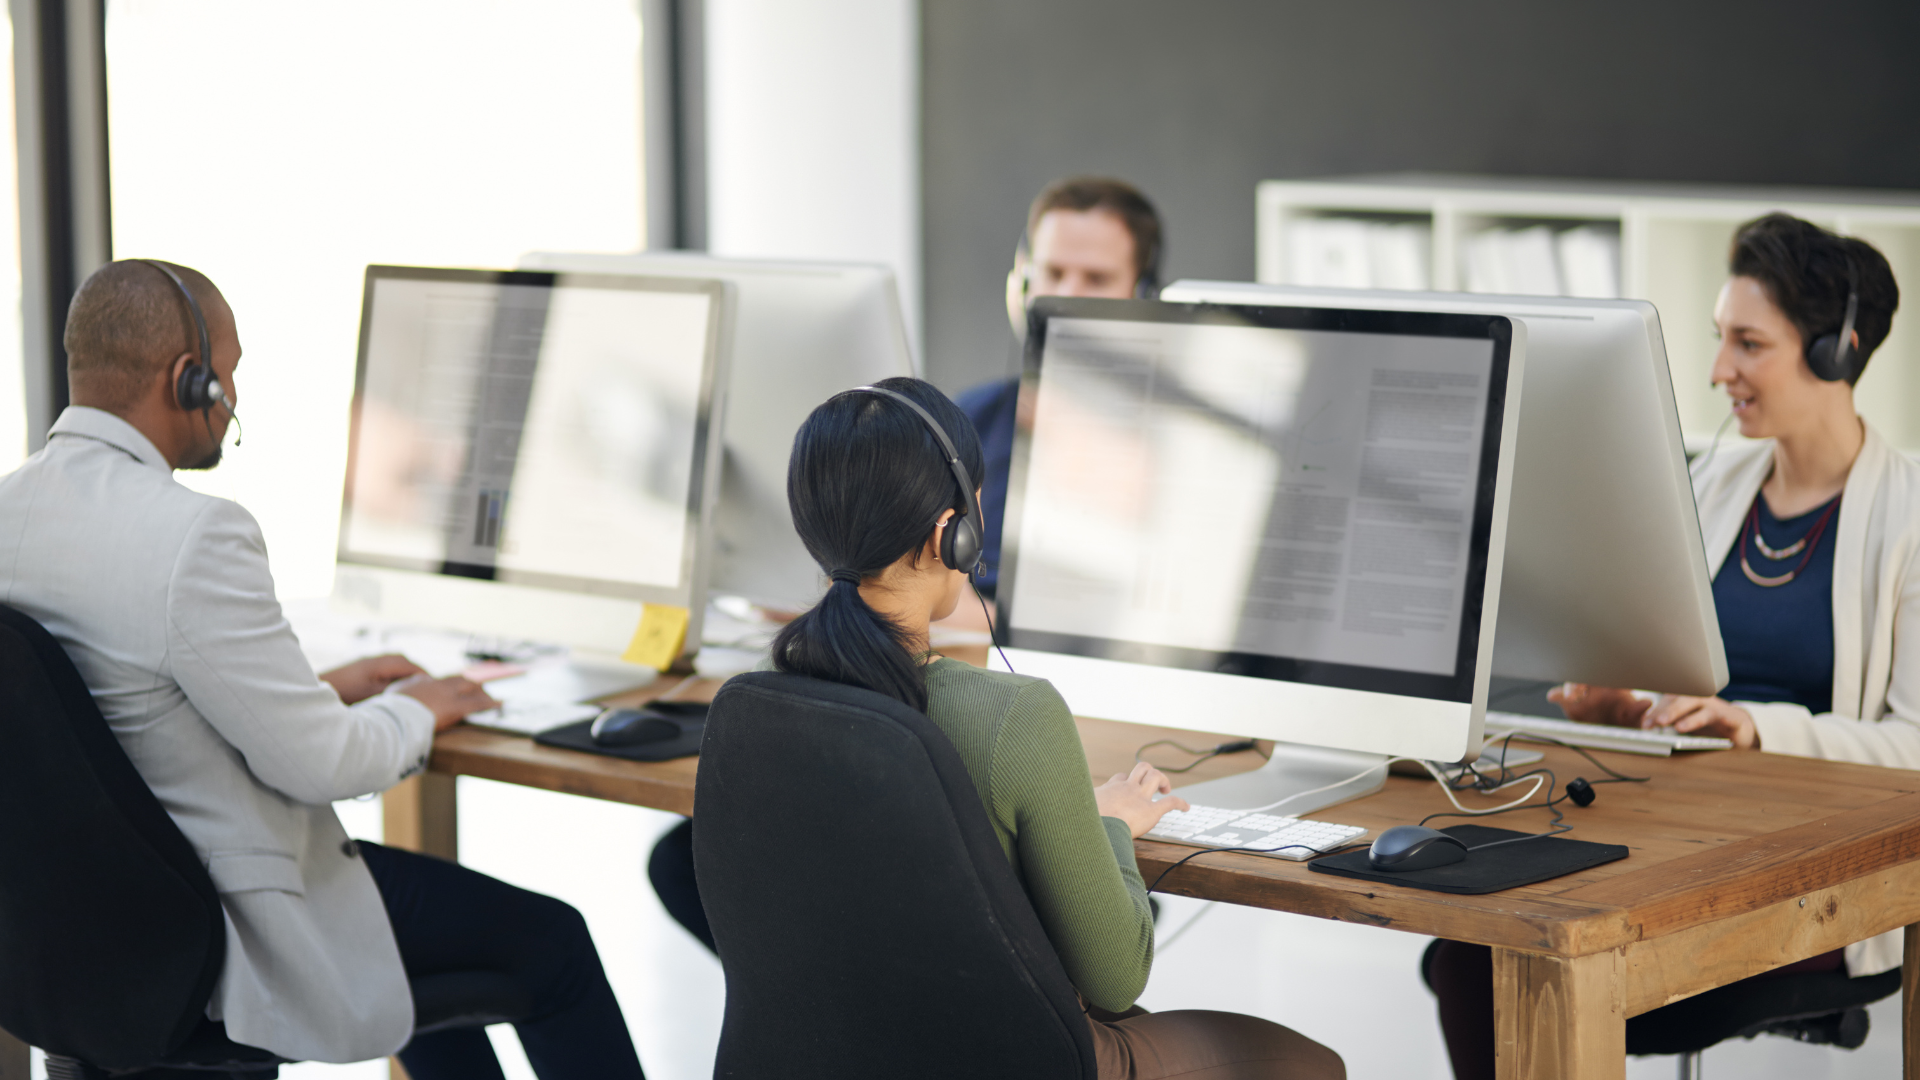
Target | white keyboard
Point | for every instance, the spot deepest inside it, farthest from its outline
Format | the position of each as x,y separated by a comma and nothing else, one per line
1658,742
533,717
1274,835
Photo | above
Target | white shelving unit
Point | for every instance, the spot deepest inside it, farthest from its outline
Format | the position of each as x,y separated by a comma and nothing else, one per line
1672,243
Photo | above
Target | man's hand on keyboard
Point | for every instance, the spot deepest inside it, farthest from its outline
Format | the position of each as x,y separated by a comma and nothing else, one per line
1600,705
362,679
1130,798
1705,716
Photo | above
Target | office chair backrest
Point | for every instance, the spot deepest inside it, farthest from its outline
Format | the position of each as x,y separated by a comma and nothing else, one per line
868,921
111,934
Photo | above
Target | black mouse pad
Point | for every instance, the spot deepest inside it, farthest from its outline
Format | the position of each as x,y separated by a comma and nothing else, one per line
579,736
1486,871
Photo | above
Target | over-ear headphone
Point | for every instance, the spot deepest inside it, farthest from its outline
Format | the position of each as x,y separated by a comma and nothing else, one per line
198,388
964,537
1833,357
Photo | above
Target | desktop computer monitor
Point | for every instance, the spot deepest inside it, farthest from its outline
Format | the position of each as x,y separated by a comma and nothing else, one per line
532,454
1283,523
802,332
1606,578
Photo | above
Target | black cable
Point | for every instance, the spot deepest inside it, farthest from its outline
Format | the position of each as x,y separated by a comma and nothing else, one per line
1216,850
1485,784
992,635
1201,756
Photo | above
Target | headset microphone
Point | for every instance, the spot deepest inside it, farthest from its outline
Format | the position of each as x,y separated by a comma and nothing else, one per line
219,395
199,388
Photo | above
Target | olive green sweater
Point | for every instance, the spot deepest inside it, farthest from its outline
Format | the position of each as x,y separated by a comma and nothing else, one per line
1021,747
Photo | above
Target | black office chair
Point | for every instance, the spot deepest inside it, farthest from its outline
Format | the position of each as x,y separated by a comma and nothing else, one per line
868,921
111,933
1821,1007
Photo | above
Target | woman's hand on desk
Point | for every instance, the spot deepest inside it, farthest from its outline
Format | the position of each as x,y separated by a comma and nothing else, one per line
1129,797
451,698
1708,716
1687,715
1600,704
360,680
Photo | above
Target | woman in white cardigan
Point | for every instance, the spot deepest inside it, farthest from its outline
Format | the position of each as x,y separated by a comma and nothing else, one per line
1813,533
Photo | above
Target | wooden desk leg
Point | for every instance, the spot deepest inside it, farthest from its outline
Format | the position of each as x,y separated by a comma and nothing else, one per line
1910,1004
1559,1018
15,1058
420,814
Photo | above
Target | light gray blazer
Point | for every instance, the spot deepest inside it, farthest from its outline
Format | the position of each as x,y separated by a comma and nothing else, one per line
162,597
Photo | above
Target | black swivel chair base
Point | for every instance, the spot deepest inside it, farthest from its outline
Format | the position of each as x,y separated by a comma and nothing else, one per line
440,1003
1824,1008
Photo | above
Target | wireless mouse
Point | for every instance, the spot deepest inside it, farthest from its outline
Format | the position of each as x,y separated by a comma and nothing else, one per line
632,727
1414,847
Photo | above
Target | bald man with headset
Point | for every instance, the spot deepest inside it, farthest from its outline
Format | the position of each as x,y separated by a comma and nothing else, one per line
1085,236
163,599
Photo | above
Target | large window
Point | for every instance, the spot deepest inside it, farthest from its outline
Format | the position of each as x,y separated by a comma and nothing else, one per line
282,147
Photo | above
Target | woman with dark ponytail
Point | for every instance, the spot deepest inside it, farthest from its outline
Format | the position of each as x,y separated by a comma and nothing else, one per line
873,496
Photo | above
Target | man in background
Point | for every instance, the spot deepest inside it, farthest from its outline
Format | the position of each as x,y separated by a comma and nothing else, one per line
1086,236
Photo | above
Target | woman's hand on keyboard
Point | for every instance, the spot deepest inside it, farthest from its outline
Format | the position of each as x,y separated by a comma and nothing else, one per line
1705,716
1129,797
1600,705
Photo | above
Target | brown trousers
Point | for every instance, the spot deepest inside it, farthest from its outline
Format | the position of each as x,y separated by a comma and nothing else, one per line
1194,1044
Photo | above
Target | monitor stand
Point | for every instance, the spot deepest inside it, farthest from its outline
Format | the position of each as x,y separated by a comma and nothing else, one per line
1294,768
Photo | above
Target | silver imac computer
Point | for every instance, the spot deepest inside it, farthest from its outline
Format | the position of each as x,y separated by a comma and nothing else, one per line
802,332
1606,579
1282,523
533,455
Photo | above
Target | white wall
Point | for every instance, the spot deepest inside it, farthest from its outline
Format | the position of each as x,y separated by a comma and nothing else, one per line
458,134
813,133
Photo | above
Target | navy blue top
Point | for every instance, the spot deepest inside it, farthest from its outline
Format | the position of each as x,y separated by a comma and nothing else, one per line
1779,640
992,409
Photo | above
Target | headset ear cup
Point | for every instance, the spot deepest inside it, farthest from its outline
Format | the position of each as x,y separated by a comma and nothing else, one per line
1821,359
191,390
960,544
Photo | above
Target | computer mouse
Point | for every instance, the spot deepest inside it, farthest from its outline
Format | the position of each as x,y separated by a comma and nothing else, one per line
632,727
1414,847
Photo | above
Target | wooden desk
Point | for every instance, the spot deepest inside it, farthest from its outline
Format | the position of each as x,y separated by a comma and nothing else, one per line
1741,862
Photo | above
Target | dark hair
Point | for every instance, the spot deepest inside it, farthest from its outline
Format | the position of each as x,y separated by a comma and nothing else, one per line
1117,197
127,322
866,483
1807,272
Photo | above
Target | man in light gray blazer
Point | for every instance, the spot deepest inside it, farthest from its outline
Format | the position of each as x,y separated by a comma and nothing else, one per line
163,599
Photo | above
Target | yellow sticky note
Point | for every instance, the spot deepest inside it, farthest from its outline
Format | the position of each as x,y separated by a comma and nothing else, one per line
657,640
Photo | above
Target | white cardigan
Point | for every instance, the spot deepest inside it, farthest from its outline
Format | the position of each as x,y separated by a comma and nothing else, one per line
1875,715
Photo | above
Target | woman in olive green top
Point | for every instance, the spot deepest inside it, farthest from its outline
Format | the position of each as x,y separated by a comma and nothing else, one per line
873,493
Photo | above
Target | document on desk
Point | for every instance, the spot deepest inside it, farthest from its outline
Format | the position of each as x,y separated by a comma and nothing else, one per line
1284,492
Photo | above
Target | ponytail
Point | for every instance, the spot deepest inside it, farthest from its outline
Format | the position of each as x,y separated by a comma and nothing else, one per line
866,483
842,640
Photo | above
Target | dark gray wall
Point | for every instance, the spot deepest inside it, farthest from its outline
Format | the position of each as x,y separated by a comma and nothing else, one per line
1198,100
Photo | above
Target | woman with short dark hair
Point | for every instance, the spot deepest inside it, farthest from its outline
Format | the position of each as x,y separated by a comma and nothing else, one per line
873,497
1813,531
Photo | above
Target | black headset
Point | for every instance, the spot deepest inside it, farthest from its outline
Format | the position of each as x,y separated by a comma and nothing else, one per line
964,538
1833,357
198,389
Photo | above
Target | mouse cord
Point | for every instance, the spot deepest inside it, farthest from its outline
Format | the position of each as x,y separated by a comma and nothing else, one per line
1219,850
1160,947
1200,756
